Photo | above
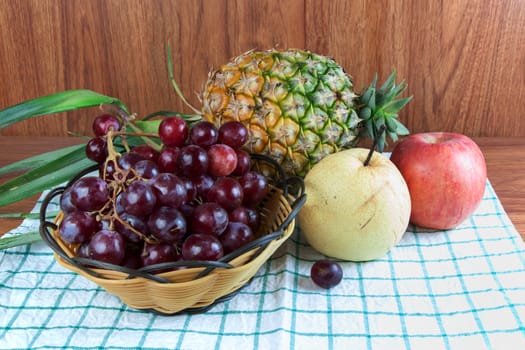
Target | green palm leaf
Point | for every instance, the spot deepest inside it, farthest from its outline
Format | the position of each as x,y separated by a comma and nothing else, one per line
38,160
18,240
46,176
60,102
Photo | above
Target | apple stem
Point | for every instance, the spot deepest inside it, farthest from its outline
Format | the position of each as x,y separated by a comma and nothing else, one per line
374,145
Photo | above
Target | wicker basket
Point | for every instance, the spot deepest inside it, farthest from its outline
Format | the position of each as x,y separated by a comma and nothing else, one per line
200,284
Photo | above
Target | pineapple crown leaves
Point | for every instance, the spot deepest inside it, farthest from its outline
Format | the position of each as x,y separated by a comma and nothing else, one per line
380,106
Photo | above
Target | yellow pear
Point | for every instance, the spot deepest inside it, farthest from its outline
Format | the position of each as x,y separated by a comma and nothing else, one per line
358,205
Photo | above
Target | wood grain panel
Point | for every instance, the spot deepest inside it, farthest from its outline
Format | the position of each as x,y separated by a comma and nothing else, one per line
464,60
29,57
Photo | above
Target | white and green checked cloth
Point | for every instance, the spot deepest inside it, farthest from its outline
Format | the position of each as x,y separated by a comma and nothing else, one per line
461,289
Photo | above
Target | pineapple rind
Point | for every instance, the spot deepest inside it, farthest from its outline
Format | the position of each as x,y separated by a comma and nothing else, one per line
298,106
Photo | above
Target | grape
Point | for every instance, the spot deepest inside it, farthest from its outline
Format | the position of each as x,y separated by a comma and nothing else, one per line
169,190
89,193
209,218
200,246
104,123
192,161
167,159
233,134
239,214
146,169
191,190
107,246
254,186
167,224
97,149
65,202
187,210
78,227
108,169
147,152
248,216
173,131
129,160
204,134
132,257
83,250
235,236
254,218
202,185
227,192
118,204
133,221
158,253
139,199
326,273
243,163
222,160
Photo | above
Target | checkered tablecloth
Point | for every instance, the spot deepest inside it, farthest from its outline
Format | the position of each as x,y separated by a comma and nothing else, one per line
460,289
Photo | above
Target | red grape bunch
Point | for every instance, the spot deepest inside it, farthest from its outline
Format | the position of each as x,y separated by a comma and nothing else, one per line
195,197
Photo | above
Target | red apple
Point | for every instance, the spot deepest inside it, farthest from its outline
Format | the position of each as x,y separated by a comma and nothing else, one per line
446,176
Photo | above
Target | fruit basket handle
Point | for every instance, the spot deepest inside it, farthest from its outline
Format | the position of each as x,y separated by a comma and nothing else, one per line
297,204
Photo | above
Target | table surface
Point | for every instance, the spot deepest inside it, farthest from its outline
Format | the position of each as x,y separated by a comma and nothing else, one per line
503,156
457,289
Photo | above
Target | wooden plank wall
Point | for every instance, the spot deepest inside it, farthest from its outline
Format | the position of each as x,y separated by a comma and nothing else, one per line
464,60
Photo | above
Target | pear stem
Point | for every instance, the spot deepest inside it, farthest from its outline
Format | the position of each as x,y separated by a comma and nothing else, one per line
374,145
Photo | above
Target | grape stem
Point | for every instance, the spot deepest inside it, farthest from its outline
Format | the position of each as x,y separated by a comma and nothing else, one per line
145,136
127,120
374,145
138,133
120,177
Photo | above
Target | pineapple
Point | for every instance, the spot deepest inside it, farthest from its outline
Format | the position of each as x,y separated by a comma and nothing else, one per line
299,106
